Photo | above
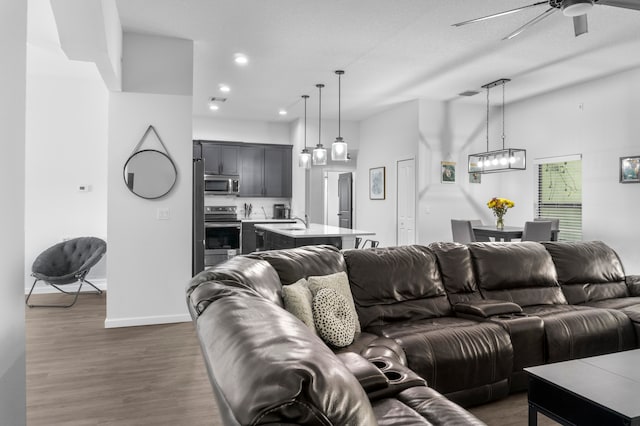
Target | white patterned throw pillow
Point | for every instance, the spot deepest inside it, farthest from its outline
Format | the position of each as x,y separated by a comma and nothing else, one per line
338,282
297,300
334,320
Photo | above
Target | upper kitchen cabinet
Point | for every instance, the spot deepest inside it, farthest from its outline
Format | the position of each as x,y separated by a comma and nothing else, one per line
277,171
220,159
265,171
251,171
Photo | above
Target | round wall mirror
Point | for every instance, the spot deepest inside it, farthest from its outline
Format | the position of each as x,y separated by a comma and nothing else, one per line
150,174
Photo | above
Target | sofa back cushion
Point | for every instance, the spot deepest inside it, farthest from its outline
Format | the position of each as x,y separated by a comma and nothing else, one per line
244,272
266,367
588,270
303,262
456,269
395,284
518,272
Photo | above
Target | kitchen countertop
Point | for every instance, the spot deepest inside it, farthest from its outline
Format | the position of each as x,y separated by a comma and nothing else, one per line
315,230
268,220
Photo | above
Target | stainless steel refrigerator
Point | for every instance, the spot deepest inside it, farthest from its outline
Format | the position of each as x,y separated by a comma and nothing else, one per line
197,225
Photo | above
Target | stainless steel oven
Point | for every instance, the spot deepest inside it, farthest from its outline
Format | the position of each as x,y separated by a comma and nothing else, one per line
221,234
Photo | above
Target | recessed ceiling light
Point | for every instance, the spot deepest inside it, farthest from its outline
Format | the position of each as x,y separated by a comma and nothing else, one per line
224,88
241,59
214,107
282,112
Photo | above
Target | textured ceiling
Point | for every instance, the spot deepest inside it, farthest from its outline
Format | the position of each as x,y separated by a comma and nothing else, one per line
392,51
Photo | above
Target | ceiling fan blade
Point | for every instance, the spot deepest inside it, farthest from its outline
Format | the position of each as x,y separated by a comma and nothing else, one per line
495,15
580,25
531,23
627,4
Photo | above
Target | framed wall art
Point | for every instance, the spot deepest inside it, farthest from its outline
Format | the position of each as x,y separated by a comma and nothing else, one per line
630,169
377,183
448,172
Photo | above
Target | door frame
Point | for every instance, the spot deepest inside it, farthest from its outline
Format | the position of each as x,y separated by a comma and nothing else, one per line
325,189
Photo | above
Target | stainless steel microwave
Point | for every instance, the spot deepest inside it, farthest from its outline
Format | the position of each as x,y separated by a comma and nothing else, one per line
221,185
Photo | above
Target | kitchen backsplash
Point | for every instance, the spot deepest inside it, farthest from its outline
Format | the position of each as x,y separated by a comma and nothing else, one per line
261,208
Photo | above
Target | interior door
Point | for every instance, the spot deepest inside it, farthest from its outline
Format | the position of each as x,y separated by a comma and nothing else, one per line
345,214
406,225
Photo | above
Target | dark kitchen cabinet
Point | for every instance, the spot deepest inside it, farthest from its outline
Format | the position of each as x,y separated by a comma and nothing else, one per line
249,235
251,171
220,159
277,172
265,171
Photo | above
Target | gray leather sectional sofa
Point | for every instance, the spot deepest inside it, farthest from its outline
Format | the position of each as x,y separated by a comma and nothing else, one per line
443,326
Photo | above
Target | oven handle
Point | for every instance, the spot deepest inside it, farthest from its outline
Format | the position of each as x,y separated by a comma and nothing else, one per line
221,225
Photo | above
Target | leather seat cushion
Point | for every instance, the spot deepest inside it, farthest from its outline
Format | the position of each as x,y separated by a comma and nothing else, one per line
372,346
617,303
454,354
421,405
580,331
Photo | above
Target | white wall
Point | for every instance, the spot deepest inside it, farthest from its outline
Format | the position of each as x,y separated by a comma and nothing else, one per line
149,260
13,40
599,120
66,144
386,137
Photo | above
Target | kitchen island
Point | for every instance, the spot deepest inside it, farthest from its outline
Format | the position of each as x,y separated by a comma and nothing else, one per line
287,235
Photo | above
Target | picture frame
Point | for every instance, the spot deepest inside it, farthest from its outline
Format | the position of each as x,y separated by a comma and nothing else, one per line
630,169
377,184
447,172
475,177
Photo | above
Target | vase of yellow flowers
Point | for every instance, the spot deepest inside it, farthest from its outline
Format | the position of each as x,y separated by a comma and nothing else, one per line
499,206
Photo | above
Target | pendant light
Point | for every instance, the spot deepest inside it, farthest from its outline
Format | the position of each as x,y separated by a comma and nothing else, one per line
304,159
339,147
501,160
319,153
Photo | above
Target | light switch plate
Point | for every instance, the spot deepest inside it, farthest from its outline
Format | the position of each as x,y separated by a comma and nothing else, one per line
163,213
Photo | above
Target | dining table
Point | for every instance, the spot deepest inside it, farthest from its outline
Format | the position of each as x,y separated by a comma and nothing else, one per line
506,234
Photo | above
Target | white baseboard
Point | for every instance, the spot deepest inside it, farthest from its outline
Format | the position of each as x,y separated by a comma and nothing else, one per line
136,321
42,288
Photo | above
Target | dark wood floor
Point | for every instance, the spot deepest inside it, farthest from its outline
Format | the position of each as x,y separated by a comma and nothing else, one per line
79,373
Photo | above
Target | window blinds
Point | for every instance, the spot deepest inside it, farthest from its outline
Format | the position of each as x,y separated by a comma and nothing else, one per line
560,196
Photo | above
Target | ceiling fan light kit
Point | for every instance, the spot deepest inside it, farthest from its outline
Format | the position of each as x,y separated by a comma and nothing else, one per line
501,160
576,9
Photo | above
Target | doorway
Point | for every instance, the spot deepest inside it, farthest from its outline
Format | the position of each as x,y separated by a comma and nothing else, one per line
406,202
339,199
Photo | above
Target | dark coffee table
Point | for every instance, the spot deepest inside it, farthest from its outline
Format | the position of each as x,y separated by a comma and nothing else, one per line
600,390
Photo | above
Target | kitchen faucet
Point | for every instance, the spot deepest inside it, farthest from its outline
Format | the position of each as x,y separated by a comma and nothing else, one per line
305,220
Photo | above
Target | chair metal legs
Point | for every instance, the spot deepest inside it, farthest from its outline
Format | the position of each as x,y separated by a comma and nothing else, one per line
77,293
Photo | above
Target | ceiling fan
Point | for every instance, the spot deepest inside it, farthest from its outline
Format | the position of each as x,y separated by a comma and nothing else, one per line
576,9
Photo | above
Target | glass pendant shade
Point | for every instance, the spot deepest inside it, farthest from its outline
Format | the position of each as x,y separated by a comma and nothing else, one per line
304,159
319,155
501,160
339,150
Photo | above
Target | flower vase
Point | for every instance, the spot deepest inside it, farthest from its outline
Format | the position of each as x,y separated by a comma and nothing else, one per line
500,223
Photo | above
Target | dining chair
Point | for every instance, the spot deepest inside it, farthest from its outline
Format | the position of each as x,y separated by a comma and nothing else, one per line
479,238
462,231
555,225
537,231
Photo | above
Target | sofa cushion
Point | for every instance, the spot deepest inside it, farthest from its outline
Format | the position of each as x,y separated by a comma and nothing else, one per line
334,318
580,331
338,282
522,273
588,270
302,262
396,284
456,269
372,346
454,354
298,300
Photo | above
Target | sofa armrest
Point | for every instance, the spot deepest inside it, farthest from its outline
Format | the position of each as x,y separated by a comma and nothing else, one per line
633,284
486,308
369,376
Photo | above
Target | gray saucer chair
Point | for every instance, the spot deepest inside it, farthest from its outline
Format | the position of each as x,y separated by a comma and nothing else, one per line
66,263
